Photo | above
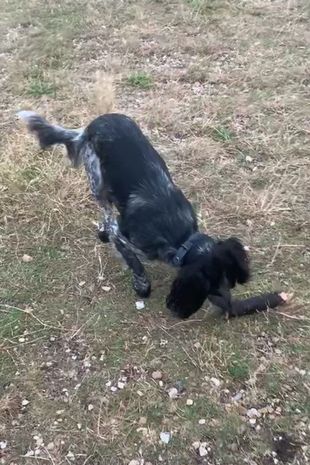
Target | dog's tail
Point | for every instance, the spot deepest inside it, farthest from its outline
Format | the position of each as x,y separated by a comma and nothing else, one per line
231,256
48,134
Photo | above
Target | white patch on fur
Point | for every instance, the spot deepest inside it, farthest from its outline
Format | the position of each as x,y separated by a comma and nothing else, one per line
93,171
136,201
25,115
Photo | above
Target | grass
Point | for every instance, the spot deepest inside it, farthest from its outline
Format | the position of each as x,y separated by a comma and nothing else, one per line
222,134
228,114
141,80
38,88
238,368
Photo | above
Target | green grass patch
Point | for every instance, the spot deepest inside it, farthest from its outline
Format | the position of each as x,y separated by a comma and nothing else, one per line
238,368
221,134
11,322
202,408
38,85
141,80
206,6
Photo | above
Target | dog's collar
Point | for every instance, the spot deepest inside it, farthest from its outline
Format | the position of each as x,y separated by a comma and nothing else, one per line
182,251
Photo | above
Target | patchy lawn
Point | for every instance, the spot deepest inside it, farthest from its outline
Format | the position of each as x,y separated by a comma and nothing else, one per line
221,87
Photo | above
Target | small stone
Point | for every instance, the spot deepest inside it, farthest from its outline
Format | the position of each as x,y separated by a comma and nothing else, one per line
121,385
252,421
59,412
134,462
140,305
113,388
27,258
161,383
238,396
90,407
25,402
216,382
79,425
202,421
165,437
29,453
87,364
70,455
106,288
202,451
253,413
157,375
189,402
50,446
196,445
52,339
108,383
82,283
39,442
248,159
21,339
173,393
3,444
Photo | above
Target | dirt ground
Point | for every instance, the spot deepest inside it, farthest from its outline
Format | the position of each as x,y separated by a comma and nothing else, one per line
222,89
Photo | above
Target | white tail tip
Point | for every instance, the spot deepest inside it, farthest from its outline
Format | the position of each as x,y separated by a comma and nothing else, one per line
25,115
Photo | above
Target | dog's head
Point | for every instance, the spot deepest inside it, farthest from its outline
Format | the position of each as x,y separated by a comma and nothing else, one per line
227,261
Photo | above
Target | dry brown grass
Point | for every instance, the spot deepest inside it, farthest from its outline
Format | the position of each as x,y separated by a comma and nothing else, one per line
223,95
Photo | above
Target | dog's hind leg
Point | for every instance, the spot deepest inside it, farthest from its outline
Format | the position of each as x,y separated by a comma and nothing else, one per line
141,283
108,225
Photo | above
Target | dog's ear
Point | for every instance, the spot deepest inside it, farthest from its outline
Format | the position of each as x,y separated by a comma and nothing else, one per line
188,292
231,256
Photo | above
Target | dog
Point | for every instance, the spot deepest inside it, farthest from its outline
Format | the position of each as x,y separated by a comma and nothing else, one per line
155,220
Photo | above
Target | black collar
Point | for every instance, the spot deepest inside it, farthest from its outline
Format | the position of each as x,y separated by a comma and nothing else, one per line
184,249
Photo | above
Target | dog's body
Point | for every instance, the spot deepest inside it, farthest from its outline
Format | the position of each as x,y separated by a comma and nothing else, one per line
155,218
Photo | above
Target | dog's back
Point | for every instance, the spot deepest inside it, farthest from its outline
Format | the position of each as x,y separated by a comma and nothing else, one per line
139,183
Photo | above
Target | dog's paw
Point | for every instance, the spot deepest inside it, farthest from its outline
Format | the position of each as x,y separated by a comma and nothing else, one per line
142,286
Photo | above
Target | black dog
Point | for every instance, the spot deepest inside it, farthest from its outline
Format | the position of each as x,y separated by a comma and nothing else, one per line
155,219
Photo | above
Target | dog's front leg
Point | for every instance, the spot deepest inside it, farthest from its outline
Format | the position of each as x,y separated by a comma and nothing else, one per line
141,283
222,300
